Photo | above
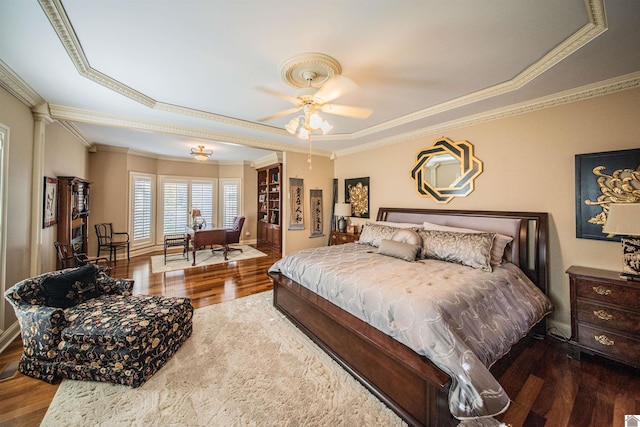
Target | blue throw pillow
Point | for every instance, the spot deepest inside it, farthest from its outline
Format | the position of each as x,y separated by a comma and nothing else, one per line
70,287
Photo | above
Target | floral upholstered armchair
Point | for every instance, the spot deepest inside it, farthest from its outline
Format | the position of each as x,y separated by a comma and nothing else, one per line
81,324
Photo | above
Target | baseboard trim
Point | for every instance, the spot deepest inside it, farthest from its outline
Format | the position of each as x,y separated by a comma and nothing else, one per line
10,334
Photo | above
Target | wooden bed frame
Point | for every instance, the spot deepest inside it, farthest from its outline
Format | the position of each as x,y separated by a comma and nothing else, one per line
406,382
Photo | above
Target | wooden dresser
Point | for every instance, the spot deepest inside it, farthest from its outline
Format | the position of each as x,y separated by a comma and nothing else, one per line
605,315
338,238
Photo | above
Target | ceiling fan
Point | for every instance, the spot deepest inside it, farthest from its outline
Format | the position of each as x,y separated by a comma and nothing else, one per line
318,81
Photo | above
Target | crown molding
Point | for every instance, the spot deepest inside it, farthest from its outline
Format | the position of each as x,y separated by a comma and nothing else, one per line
63,27
65,115
18,87
607,87
61,24
267,160
77,133
60,112
596,26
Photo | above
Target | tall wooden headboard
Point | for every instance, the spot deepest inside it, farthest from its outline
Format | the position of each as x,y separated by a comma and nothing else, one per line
528,229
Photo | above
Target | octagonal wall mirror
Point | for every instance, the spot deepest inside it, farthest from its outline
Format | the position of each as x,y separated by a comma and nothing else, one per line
446,170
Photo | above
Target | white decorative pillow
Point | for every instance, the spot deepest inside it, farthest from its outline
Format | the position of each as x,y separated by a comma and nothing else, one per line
499,243
407,235
405,251
470,249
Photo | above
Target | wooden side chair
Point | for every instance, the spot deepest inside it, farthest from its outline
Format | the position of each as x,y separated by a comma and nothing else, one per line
111,240
68,258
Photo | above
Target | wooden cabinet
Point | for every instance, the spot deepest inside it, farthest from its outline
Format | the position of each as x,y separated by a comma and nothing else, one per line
605,315
270,205
338,238
73,213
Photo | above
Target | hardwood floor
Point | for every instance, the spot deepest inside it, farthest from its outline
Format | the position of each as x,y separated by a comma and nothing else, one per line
547,387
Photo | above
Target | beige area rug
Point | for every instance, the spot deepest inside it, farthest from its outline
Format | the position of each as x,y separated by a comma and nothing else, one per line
244,365
175,260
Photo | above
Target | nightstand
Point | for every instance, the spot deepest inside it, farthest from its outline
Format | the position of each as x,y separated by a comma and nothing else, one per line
338,238
605,315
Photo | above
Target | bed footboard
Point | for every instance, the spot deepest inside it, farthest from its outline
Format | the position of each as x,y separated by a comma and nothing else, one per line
407,383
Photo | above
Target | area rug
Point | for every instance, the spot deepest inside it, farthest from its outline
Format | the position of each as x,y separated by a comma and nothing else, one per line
244,365
175,260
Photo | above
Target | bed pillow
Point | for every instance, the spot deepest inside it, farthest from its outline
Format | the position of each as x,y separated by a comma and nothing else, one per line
404,251
406,235
470,249
497,249
373,233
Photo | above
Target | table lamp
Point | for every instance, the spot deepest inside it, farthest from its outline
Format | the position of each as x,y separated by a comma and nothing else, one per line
342,210
624,219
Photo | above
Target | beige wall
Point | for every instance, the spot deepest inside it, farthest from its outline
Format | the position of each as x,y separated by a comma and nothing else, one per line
528,166
109,173
65,155
319,177
17,117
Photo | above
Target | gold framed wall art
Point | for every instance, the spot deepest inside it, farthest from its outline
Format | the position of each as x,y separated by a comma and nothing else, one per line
601,179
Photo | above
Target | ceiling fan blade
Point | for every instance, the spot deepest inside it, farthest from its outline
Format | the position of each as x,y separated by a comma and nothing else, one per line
334,88
280,114
292,99
347,110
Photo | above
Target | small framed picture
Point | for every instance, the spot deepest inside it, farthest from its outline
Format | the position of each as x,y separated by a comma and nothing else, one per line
352,229
50,207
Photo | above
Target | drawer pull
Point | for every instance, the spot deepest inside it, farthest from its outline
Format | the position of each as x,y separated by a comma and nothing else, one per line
602,339
602,315
601,290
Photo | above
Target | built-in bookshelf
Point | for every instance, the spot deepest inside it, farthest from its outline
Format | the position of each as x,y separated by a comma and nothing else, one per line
270,205
73,213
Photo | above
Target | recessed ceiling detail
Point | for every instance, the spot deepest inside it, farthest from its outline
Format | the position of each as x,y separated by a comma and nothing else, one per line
503,61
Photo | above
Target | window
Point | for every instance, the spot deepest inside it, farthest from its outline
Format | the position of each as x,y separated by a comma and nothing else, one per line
4,170
202,199
142,190
179,196
229,201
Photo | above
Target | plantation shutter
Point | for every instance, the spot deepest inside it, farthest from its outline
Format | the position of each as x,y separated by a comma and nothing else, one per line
142,193
202,198
230,202
175,207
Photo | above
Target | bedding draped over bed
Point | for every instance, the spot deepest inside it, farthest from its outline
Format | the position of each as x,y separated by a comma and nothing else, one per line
460,318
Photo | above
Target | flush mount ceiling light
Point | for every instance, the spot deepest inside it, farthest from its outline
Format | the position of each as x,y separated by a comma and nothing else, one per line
200,153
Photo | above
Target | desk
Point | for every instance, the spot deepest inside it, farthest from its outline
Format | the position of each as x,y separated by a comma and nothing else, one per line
208,236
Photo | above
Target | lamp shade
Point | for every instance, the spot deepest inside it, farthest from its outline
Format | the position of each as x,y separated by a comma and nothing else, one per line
623,219
342,209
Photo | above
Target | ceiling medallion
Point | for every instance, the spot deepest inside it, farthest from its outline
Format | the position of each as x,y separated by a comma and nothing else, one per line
295,70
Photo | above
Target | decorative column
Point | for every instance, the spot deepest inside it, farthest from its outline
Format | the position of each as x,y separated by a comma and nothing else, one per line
41,119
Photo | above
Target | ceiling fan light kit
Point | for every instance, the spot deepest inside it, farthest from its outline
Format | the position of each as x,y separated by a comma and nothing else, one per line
304,125
200,153
317,78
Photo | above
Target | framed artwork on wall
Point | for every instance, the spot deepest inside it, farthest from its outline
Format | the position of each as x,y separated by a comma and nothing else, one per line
356,193
50,202
296,204
601,179
317,223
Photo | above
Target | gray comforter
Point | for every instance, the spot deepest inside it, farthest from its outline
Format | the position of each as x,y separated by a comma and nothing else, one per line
462,319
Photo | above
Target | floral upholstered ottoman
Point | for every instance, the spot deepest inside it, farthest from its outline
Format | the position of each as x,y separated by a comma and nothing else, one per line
81,324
